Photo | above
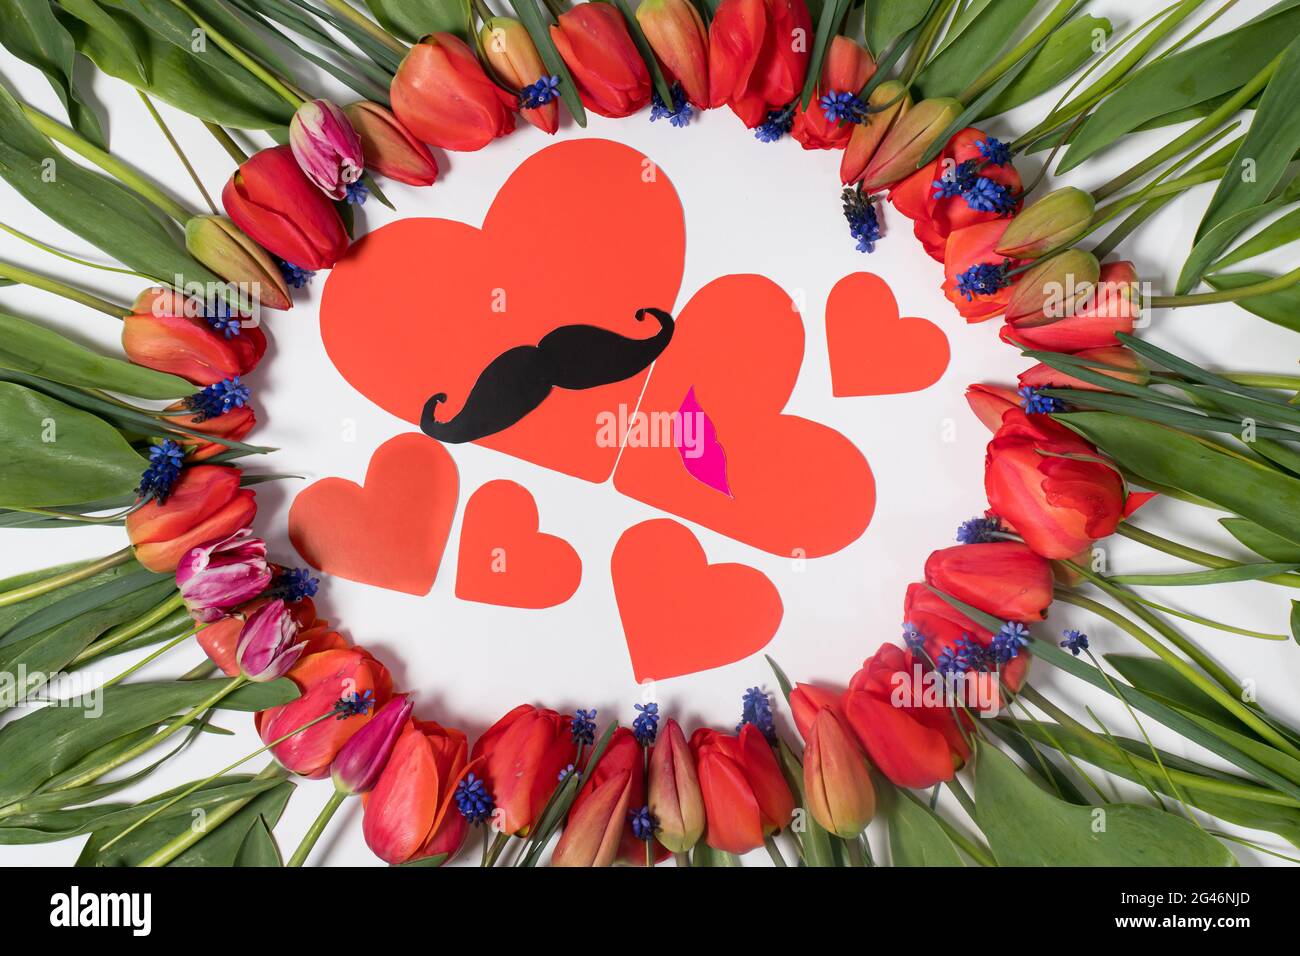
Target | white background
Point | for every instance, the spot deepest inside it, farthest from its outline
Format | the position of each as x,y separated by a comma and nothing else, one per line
750,207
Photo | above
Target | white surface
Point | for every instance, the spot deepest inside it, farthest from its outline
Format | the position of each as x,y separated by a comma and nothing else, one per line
750,207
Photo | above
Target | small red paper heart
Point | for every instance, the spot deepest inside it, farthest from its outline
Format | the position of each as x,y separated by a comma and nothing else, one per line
681,614
505,559
391,532
872,350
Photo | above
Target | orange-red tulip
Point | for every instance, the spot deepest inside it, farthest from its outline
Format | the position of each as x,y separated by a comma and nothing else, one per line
806,701
443,96
974,246
206,505
846,69
745,796
598,827
390,148
675,800
513,57
758,56
611,77
523,754
676,32
165,331
1002,578
1090,323
836,779
989,402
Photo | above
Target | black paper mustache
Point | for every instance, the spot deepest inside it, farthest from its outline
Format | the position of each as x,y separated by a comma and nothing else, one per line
519,379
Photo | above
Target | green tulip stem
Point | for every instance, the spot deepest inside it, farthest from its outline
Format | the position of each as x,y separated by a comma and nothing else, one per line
45,247
773,851
1194,135
107,162
974,849
682,860
359,19
230,768
38,281
180,723
192,835
1059,13
124,632
1204,558
1287,383
54,582
1226,700
227,142
274,83
1276,284
317,828
492,850
176,148
925,40
151,657
1155,191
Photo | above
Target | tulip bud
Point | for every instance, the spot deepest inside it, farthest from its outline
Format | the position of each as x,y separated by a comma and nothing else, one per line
806,701
988,402
595,827
233,425
221,246
1053,288
676,33
266,651
390,148
1113,306
611,77
1054,221
514,59
900,153
887,103
216,578
835,778
675,800
326,146
206,504
361,760
442,95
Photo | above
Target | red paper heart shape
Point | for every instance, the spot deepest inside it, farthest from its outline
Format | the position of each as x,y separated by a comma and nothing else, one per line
681,614
391,532
798,488
872,350
505,559
583,232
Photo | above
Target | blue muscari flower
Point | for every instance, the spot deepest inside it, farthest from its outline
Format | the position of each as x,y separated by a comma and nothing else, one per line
165,461
644,823
982,279
584,727
994,151
756,709
956,181
646,724
220,317
980,530
776,125
569,769
294,584
965,656
357,194
842,106
985,195
1075,641
681,112
864,224
354,705
540,93
912,636
294,275
1036,403
1015,633
473,800
218,398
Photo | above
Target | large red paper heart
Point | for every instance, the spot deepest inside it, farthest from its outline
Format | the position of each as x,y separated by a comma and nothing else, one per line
797,488
681,614
873,351
583,232
505,559
391,532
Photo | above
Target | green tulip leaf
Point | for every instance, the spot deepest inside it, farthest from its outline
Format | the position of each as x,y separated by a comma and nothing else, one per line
259,847
1280,232
888,20
1295,621
832,12
1067,49
975,40
1262,541
1183,79
412,19
54,454
1242,572
1026,826
1281,308
916,838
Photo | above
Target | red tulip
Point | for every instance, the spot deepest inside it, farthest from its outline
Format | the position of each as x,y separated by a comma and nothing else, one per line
990,402
944,630
513,57
598,829
206,505
676,32
233,425
390,148
524,753
745,796
271,200
912,744
675,800
1002,578
167,332
411,813
323,679
442,95
836,779
610,75
935,219
1048,483
973,246
758,56
847,68
807,701
1092,323
1119,363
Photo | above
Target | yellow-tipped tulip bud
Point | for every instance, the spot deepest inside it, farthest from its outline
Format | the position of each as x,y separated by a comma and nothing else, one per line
1053,288
1053,222
836,780
888,103
224,248
900,152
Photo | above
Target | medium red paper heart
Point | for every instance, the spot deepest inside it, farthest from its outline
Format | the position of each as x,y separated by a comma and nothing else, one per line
582,233
505,559
681,614
874,351
389,532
